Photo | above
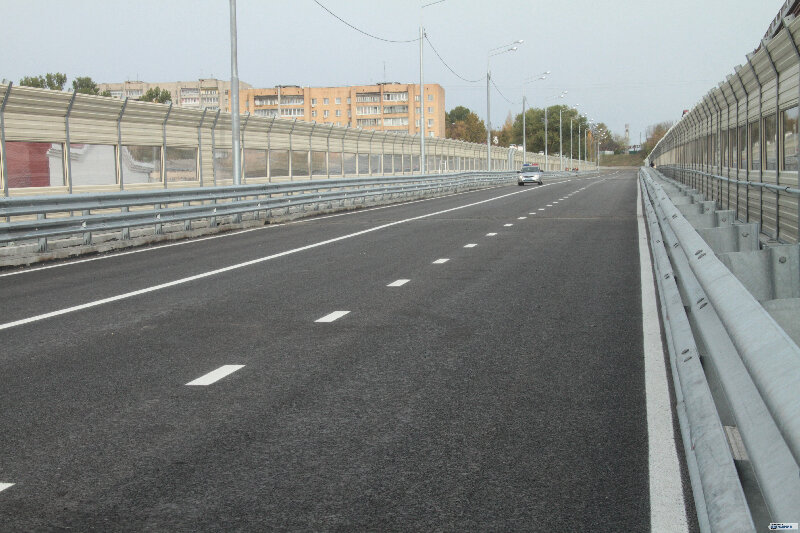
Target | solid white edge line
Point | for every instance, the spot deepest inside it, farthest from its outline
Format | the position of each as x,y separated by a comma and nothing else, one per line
398,283
330,317
215,375
237,266
667,508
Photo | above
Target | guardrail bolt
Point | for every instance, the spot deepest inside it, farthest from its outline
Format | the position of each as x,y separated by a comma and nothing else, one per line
687,359
666,276
745,234
782,260
685,351
698,252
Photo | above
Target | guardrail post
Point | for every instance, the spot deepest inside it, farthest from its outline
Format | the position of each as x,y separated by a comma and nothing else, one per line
67,155
164,146
214,148
42,247
3,157
118,159
87,237
200,147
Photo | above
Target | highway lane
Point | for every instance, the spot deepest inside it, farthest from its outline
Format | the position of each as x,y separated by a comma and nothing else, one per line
501,389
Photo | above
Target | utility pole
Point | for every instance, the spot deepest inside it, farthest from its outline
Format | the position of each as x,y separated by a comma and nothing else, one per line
235,141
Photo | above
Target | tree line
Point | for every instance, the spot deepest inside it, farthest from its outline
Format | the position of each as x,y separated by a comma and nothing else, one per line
465,125
55,81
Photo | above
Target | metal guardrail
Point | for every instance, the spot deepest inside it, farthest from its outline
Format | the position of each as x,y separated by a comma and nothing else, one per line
756,363
84,214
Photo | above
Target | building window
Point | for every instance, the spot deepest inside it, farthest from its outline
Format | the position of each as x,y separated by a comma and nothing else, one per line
291,99
394,109
416,123
396,121
292,112
416,98
349,113
430,122
368,97
326,101
313,102
325,114
314,113
790,138
266,112
338,123
338,101
266,100
348,99
338,112
396,97
419,111
368,110
430,98
368,122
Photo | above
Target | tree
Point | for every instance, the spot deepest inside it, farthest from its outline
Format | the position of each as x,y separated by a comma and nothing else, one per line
156,94
654,133
465,125
85,85
52,81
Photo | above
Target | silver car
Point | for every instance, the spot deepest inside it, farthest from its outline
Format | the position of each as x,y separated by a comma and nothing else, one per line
530,173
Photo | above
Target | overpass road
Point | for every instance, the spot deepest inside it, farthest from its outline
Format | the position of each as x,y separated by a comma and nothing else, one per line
466,363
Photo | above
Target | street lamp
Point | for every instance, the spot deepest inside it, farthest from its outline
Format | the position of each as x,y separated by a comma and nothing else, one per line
562,95
491,53
422,90
570,139
234,100
542,76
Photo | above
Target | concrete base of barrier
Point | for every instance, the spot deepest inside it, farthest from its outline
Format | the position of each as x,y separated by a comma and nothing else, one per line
22,254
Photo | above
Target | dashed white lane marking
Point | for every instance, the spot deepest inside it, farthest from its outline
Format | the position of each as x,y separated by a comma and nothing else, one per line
4,486
471,245
521,218
541,209
238,266
507,225
216,375
336,315
491,234
440,261
398,283
667,510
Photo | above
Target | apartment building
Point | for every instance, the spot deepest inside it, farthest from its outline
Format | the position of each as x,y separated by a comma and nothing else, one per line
382,107
209,93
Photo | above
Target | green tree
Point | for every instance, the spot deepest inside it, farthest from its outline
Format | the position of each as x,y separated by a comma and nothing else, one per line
85,85
52,81
465,125
654,133
156,94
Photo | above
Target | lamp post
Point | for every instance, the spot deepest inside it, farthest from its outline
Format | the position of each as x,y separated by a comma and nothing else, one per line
542,76
422,90
491,53
562,95
234,101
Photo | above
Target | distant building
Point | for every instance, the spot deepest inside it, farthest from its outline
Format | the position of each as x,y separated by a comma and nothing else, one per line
209,93
382,107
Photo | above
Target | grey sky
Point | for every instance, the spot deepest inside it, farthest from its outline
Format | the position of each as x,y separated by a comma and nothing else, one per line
623,62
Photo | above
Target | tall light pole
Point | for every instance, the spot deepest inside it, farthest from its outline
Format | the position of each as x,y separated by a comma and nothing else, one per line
542,76
491,53
562,95
235,141
422,165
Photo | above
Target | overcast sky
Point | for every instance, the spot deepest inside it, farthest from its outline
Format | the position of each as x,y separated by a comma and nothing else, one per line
624,62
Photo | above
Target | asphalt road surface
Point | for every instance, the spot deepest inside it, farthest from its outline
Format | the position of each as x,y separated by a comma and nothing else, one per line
466,363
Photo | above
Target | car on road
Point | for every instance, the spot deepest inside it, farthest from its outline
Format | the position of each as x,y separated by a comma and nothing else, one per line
530,173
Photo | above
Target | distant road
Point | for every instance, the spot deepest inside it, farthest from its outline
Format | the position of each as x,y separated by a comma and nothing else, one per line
467,363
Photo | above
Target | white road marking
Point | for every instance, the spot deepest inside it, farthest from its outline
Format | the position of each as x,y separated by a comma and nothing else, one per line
521,218
237,266
541,209
398,283
4,486
549,205
491,234
336,315
471,245
667,511
215,375
440,261
507,225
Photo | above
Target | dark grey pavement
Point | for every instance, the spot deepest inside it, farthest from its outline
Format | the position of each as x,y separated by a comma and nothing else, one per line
501,390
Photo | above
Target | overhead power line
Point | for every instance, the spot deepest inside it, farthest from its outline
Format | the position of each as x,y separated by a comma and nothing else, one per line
501,94
362,31
448,66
